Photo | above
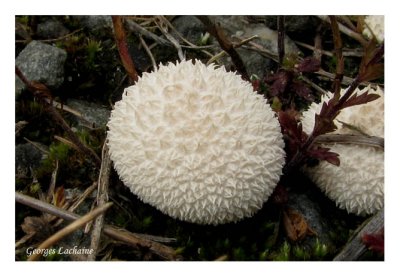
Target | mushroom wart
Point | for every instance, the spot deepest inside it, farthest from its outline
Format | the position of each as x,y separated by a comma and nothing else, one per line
197,143
376,25
357,185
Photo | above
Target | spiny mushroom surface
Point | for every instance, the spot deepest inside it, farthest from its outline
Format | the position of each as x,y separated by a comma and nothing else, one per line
197,143
357,185
376,24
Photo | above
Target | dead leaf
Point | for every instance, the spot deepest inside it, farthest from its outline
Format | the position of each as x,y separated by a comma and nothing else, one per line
309,64
59,197
295,225
324,154
37,226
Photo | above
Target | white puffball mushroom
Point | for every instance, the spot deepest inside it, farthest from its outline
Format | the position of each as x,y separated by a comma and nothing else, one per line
357,185
197,143
376,24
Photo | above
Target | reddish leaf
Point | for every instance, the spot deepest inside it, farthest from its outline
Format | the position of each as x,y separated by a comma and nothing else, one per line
375,242
256,85
290,124
309,64
360,99
323,154
279,81
372,72
370,67
302,90
280,195
323,125
292,130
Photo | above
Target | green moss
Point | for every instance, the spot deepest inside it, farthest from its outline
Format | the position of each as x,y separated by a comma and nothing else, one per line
320,250
283,252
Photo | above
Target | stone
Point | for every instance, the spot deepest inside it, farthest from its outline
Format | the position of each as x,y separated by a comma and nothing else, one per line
41,62
51,29
295,25
94,115
238,26
27,159
301,202
100,25
190,27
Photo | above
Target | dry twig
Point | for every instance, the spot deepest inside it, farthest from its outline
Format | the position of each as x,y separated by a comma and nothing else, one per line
352,139
163,28
69,229
235,45
347,31
148,51
281,38
50,192
102,198
225,44
43,94
338,54
355,248
119,234
51,39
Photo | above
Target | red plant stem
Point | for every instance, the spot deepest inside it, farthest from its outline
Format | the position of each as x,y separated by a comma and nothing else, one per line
43,93
338,53
123,50
281,39
225,44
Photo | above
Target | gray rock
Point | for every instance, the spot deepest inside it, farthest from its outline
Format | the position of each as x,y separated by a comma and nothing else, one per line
94,115
311,210
42,63
189,27
51,29
96,24
238,26
295,25
27,159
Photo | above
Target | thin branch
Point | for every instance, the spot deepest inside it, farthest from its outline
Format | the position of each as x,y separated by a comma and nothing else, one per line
345,52
317,51
148,51
346,80
347,31
338,54
52,39
281,39
161,26
225,44
43,93
53,180
352,139
355,248
235,45
314,85
102,198
118,234
136,28
19,126
120,38
69,229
